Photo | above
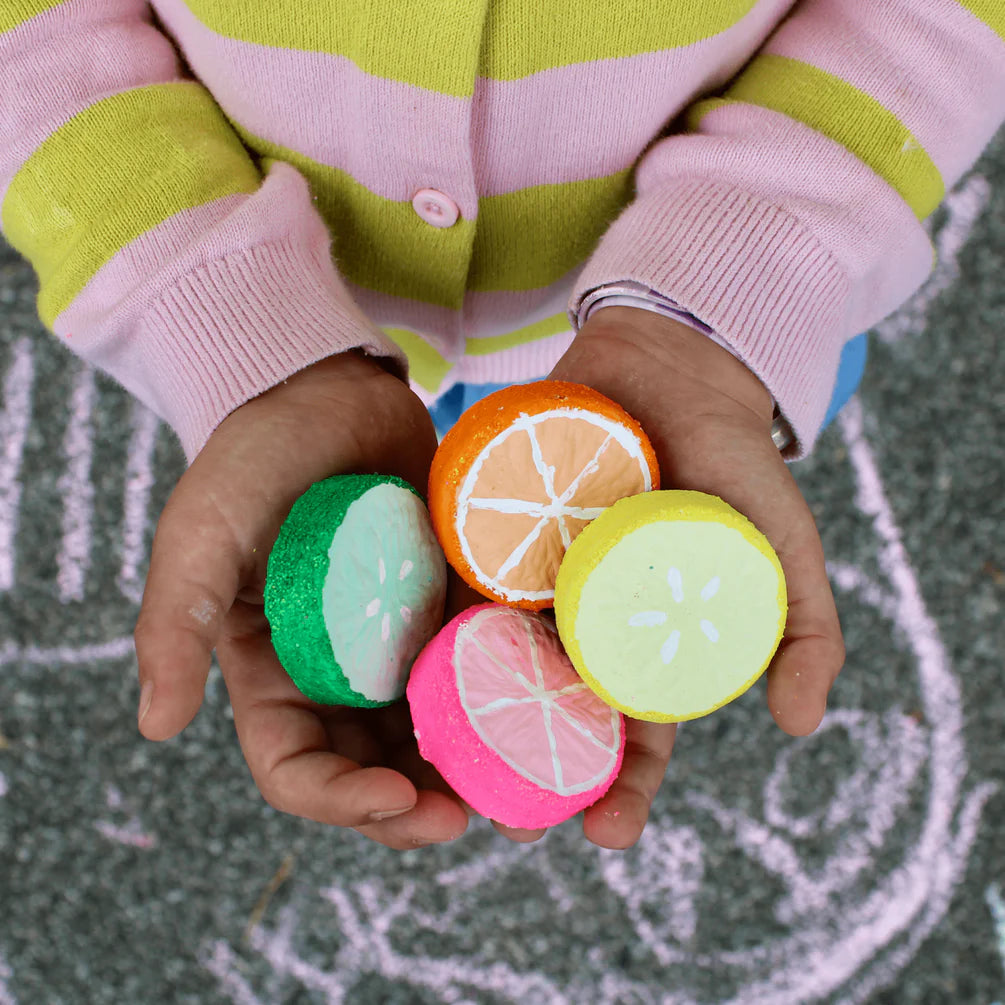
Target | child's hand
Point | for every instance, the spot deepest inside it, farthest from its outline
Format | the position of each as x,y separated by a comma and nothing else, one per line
709,419
205,586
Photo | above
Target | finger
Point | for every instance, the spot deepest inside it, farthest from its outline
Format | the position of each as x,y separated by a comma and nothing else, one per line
361,735
193,578
288,751
618,818
519,834
287,745
752,477
435,819
806,665
811,654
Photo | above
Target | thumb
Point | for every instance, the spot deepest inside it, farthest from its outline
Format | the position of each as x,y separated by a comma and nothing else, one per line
193,579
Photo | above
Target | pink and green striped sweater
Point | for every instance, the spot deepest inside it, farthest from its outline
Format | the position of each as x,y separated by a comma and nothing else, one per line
217,193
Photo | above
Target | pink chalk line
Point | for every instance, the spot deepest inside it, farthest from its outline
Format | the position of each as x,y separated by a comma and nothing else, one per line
964,208
77,490
14,420
501,857
115,649
676,855
4,787
132,834
916,895
224,964
139,483
850,578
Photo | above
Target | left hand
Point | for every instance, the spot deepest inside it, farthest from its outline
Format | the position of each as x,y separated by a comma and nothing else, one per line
709,419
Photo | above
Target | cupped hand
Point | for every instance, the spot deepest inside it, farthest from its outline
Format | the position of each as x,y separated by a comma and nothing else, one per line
709,419
355,768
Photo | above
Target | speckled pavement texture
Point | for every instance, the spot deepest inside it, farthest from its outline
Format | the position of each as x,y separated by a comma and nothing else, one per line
862,864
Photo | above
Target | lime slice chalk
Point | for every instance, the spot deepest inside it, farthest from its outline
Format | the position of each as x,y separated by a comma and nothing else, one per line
670,604
355,588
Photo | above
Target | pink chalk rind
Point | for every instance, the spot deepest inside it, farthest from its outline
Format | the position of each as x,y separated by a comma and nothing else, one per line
448,739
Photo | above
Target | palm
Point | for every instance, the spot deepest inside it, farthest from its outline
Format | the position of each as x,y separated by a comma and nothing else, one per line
335,764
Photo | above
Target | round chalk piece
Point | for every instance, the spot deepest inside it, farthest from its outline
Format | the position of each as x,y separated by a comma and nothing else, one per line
519,476
355,588
670,605
502,715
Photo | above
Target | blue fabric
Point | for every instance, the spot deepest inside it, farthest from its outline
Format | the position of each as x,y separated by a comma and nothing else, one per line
448,409
850,371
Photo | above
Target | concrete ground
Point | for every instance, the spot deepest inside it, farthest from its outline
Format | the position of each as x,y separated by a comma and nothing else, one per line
862,864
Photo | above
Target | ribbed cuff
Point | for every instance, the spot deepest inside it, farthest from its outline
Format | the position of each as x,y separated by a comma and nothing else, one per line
232,329
748,270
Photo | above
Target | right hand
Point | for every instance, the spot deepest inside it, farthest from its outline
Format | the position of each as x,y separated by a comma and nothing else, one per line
347,767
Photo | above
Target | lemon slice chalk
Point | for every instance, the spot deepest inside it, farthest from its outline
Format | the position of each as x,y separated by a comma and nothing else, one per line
355,588
670,604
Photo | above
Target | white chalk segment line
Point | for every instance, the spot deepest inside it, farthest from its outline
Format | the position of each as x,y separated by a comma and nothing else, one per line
136,501
76,489
14,421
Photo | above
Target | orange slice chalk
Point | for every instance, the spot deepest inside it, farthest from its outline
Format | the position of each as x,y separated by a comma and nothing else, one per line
522,473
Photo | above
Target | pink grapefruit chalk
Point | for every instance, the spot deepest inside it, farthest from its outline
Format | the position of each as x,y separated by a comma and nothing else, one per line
500,712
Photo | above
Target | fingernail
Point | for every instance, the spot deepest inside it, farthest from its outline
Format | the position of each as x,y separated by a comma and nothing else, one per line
146,697
379,815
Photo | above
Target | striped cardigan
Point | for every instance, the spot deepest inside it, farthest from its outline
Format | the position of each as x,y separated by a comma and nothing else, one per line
215,193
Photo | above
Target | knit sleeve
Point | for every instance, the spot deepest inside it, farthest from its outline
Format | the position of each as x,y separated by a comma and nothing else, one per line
163,255
787,212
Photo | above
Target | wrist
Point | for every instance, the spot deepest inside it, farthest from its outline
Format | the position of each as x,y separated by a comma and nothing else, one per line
626,349
347,406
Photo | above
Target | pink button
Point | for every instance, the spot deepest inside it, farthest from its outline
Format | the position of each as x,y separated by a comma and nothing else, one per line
435,208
